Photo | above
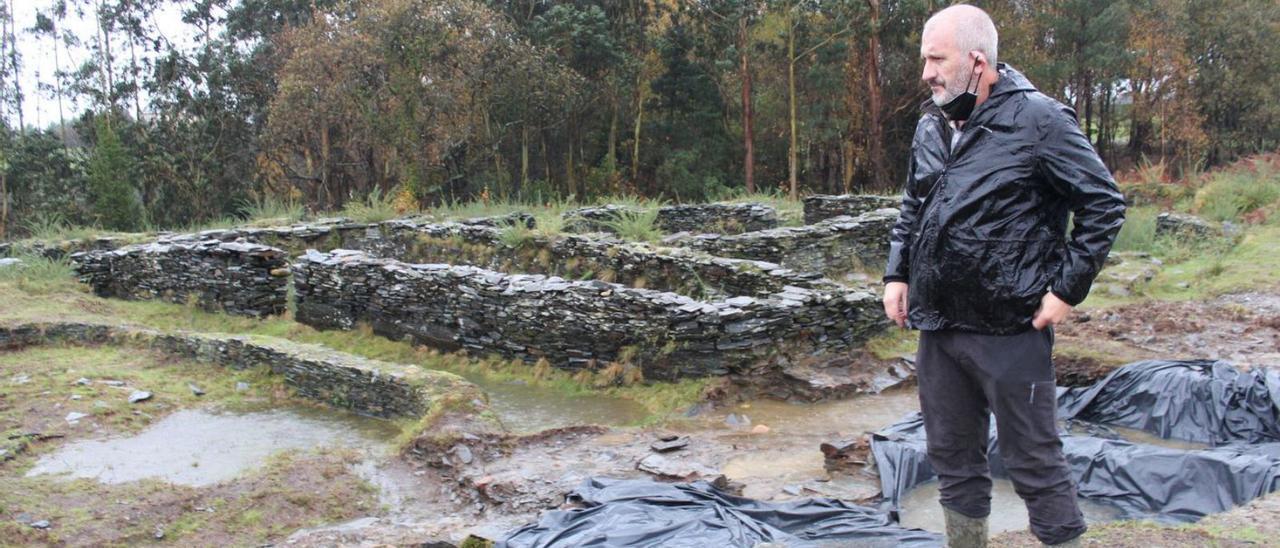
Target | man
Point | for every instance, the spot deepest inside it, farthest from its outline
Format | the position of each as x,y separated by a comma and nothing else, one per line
980,262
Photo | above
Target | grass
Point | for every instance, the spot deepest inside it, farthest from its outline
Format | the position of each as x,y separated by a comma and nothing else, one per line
1233,195
270,210
288,492
790,212
374,207
52,372
893,343
60,298
640,225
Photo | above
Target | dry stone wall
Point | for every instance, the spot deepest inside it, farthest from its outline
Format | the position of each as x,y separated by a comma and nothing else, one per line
57,250
574,256
834,246
343,380
238,278
822,207
695,218
578,324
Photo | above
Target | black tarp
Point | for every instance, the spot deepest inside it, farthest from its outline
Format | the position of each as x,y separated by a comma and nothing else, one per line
642,513
1198,401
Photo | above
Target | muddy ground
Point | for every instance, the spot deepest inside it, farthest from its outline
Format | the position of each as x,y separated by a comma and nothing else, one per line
1243,328
761,448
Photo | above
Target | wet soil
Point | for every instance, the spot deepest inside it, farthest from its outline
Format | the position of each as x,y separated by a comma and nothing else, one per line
1243,328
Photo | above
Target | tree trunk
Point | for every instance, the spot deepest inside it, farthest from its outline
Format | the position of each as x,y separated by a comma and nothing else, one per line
57,82
324,166
524,156
546,159
13,65
571,180
104,51
748,118
133,77
611,158
792,168
875,106
635,139
4,205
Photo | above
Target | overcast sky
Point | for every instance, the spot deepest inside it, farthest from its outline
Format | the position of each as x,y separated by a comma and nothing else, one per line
37,54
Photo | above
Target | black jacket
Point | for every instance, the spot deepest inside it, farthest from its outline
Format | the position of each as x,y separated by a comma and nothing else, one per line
983,230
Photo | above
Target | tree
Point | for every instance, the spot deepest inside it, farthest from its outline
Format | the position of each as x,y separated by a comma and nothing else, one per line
110,171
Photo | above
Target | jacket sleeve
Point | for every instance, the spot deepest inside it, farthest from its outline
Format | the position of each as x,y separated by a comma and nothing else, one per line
1070,164
897,269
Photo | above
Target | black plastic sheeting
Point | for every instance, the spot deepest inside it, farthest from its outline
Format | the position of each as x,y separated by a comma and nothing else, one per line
1201,401
642,513
1197,401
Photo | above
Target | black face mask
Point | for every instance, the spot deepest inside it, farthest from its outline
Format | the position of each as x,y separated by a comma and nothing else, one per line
959,108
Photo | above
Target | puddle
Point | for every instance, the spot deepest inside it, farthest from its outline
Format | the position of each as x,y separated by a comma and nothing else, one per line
920,509
202,446
848,417
526,409
1142,436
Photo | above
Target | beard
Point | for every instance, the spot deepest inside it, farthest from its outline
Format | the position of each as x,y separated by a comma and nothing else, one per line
952,88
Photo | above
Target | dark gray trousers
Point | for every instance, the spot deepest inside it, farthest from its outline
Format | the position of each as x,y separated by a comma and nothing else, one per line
964,377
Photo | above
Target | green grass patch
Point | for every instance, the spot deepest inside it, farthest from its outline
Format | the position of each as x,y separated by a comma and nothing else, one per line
290,491
893,343
374,207
640,225
1235,194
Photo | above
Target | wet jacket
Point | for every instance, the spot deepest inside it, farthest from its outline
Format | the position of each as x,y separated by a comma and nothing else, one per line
983,230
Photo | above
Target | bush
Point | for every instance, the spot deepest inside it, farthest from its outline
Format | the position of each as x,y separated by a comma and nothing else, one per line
1238,194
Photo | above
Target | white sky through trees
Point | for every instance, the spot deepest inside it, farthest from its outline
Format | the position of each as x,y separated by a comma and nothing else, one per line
36,62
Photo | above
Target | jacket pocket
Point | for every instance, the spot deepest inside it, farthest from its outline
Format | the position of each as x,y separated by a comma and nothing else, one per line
995,284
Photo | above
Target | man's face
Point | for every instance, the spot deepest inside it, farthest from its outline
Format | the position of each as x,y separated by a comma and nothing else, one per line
946,69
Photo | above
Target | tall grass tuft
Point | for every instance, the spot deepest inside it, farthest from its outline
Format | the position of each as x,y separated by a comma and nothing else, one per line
269,208
373,208
38,274
1236,194
1138,233
639,225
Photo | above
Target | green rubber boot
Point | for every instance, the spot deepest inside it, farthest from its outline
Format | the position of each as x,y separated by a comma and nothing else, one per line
964,531
1073,543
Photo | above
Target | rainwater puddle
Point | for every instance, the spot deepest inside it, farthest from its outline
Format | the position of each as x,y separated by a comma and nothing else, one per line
203,446
526,409
1141,436
848,417
920,509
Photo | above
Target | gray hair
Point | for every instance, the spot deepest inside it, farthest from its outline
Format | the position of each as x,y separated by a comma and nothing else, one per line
973,30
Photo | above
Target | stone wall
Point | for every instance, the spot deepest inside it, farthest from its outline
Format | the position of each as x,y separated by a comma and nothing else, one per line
574,256
343,380
57,250
238,278
834,246
695,218
578,324
822,207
